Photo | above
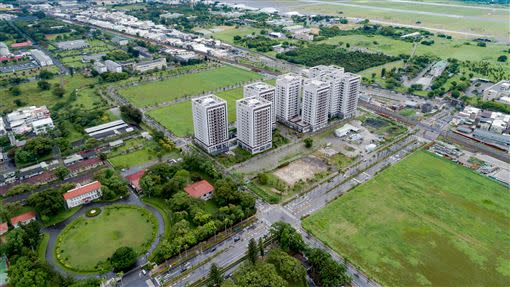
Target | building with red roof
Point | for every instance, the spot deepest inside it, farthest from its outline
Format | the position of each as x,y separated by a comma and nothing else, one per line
83,194
200,189
84,165
3,228
22,44
24,218
134,180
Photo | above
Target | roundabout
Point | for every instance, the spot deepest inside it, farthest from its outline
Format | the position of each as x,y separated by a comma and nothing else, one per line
85,244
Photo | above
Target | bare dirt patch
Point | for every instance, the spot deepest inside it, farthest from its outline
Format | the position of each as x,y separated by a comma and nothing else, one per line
301,169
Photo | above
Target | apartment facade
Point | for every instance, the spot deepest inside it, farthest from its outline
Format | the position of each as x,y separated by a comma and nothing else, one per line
210,123
254,124
288,91
350,89
265,91
316,104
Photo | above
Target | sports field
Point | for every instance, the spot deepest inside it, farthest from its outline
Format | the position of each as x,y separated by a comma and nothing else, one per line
187,85
423,222
115,227
178,118
226,33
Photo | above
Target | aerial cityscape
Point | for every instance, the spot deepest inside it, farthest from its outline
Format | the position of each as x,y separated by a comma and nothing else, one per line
254,143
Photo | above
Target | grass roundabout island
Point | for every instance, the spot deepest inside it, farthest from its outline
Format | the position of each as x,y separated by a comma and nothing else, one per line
86,244
93,212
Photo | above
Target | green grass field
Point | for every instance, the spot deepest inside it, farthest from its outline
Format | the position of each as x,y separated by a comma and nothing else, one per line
187,85
32,95
423,222
178,118
491,22
442,48
227,34
89,240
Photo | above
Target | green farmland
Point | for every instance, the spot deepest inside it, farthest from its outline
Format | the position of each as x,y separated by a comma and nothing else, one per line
423,222
187,85
179,119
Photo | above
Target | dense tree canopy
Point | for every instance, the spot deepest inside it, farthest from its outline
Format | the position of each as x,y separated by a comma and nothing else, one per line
123,259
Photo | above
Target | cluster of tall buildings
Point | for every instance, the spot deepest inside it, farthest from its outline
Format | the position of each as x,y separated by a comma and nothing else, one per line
304,102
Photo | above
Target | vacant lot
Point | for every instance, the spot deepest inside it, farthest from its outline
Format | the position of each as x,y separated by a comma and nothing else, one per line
301,169
179,119
187,85
423,222
32,95
89,240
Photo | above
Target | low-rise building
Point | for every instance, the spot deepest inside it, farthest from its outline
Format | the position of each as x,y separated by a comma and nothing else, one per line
100,67
201,189
134,180
83,194
23,219
120,41
109,129
72,45
42,126
112,66
496,91
41,58
150,65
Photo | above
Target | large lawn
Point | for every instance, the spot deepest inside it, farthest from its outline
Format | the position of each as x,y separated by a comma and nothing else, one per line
87,241
187,85
423,222
178,118
32,95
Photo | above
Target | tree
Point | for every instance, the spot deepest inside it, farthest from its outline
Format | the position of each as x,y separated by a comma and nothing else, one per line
259,275
252,251
383,72
261,247
43,85
46,75
502,58
59,91
287,237
287,266
123,259
15,91
47,203
61,172
308,142
131,114
215,276
331,273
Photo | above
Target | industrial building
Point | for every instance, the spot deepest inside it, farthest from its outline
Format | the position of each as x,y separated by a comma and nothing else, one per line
41,58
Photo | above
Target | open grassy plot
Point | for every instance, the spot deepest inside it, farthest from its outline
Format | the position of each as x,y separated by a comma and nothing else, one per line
187,85
423,222
454,18
32,95
179,119
442,48
86,241
226,33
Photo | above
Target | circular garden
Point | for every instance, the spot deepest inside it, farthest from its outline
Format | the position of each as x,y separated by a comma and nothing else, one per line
86,244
